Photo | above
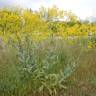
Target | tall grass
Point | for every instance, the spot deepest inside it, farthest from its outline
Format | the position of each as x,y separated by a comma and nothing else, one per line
30,68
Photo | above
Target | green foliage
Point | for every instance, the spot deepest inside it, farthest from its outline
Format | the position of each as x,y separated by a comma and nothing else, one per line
38,52
41,67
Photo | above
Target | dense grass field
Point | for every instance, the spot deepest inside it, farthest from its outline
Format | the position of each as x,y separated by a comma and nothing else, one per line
42,57
51,67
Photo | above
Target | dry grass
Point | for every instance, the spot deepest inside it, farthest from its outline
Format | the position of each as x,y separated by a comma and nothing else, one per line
83,81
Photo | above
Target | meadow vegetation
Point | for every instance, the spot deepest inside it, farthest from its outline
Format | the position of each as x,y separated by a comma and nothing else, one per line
48,52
